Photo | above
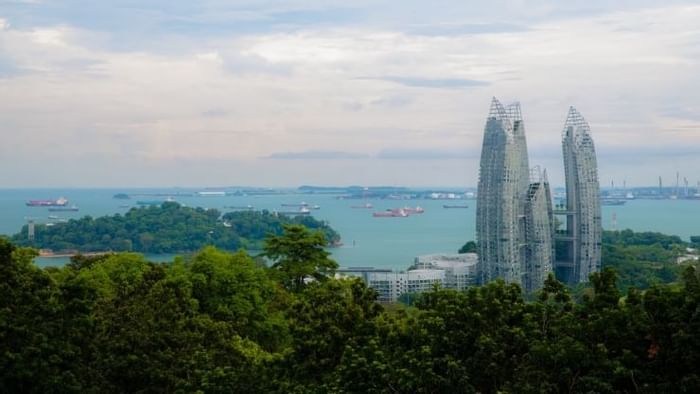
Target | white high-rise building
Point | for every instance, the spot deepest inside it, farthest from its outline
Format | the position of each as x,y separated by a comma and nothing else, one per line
514,217
583,234
503,183
539,230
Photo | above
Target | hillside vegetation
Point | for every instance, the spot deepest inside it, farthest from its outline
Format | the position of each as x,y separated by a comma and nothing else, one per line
169,228
220,323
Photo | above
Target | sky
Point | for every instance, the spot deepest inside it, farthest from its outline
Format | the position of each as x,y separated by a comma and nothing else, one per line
134,93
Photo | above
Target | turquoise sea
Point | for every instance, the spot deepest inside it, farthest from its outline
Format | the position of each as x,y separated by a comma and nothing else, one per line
368,241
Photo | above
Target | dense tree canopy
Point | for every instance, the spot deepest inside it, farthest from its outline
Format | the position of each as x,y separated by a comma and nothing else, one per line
642,258
168,228
469,247
221,322
298,255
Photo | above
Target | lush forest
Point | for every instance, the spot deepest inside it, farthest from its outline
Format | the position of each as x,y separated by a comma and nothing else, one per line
168,228
642,258
218,322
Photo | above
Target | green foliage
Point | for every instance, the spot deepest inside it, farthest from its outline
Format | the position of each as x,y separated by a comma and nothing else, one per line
299,255
629,237
641,259
169,228
695,240
327,318
469,247
409,298
220,322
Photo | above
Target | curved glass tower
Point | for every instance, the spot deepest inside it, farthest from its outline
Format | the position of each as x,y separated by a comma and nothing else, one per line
583,217
539,231
503,183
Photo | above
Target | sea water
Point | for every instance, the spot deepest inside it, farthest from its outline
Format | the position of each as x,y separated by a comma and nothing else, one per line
367,241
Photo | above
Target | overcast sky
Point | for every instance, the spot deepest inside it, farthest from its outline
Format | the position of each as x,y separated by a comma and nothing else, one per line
282,93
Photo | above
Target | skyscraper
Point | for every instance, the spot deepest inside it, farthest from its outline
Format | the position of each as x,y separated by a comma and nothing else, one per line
503,183
539,231
583,232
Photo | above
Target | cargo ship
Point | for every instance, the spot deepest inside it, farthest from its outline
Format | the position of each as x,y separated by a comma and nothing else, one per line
410,210
607,201
391,213
60,202
455,206
366,206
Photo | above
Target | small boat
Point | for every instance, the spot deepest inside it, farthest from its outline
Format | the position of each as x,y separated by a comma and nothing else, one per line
72,208
300,212
455,206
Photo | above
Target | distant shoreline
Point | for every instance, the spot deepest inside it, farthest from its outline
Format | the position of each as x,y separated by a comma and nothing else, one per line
49,254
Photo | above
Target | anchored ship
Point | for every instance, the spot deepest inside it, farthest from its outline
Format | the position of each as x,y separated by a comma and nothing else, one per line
60,202
391,213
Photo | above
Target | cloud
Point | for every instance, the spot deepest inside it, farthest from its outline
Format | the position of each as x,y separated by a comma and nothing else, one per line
427,154
316,155
453,29
438,83
292,81
215,113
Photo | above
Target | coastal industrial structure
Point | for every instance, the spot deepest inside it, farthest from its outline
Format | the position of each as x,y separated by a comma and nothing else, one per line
582,235
514,222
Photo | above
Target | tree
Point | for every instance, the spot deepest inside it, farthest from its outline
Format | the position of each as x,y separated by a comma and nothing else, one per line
469,247
325,319
298,254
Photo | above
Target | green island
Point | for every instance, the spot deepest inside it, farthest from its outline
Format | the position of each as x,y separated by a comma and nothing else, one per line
168,228
220,322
